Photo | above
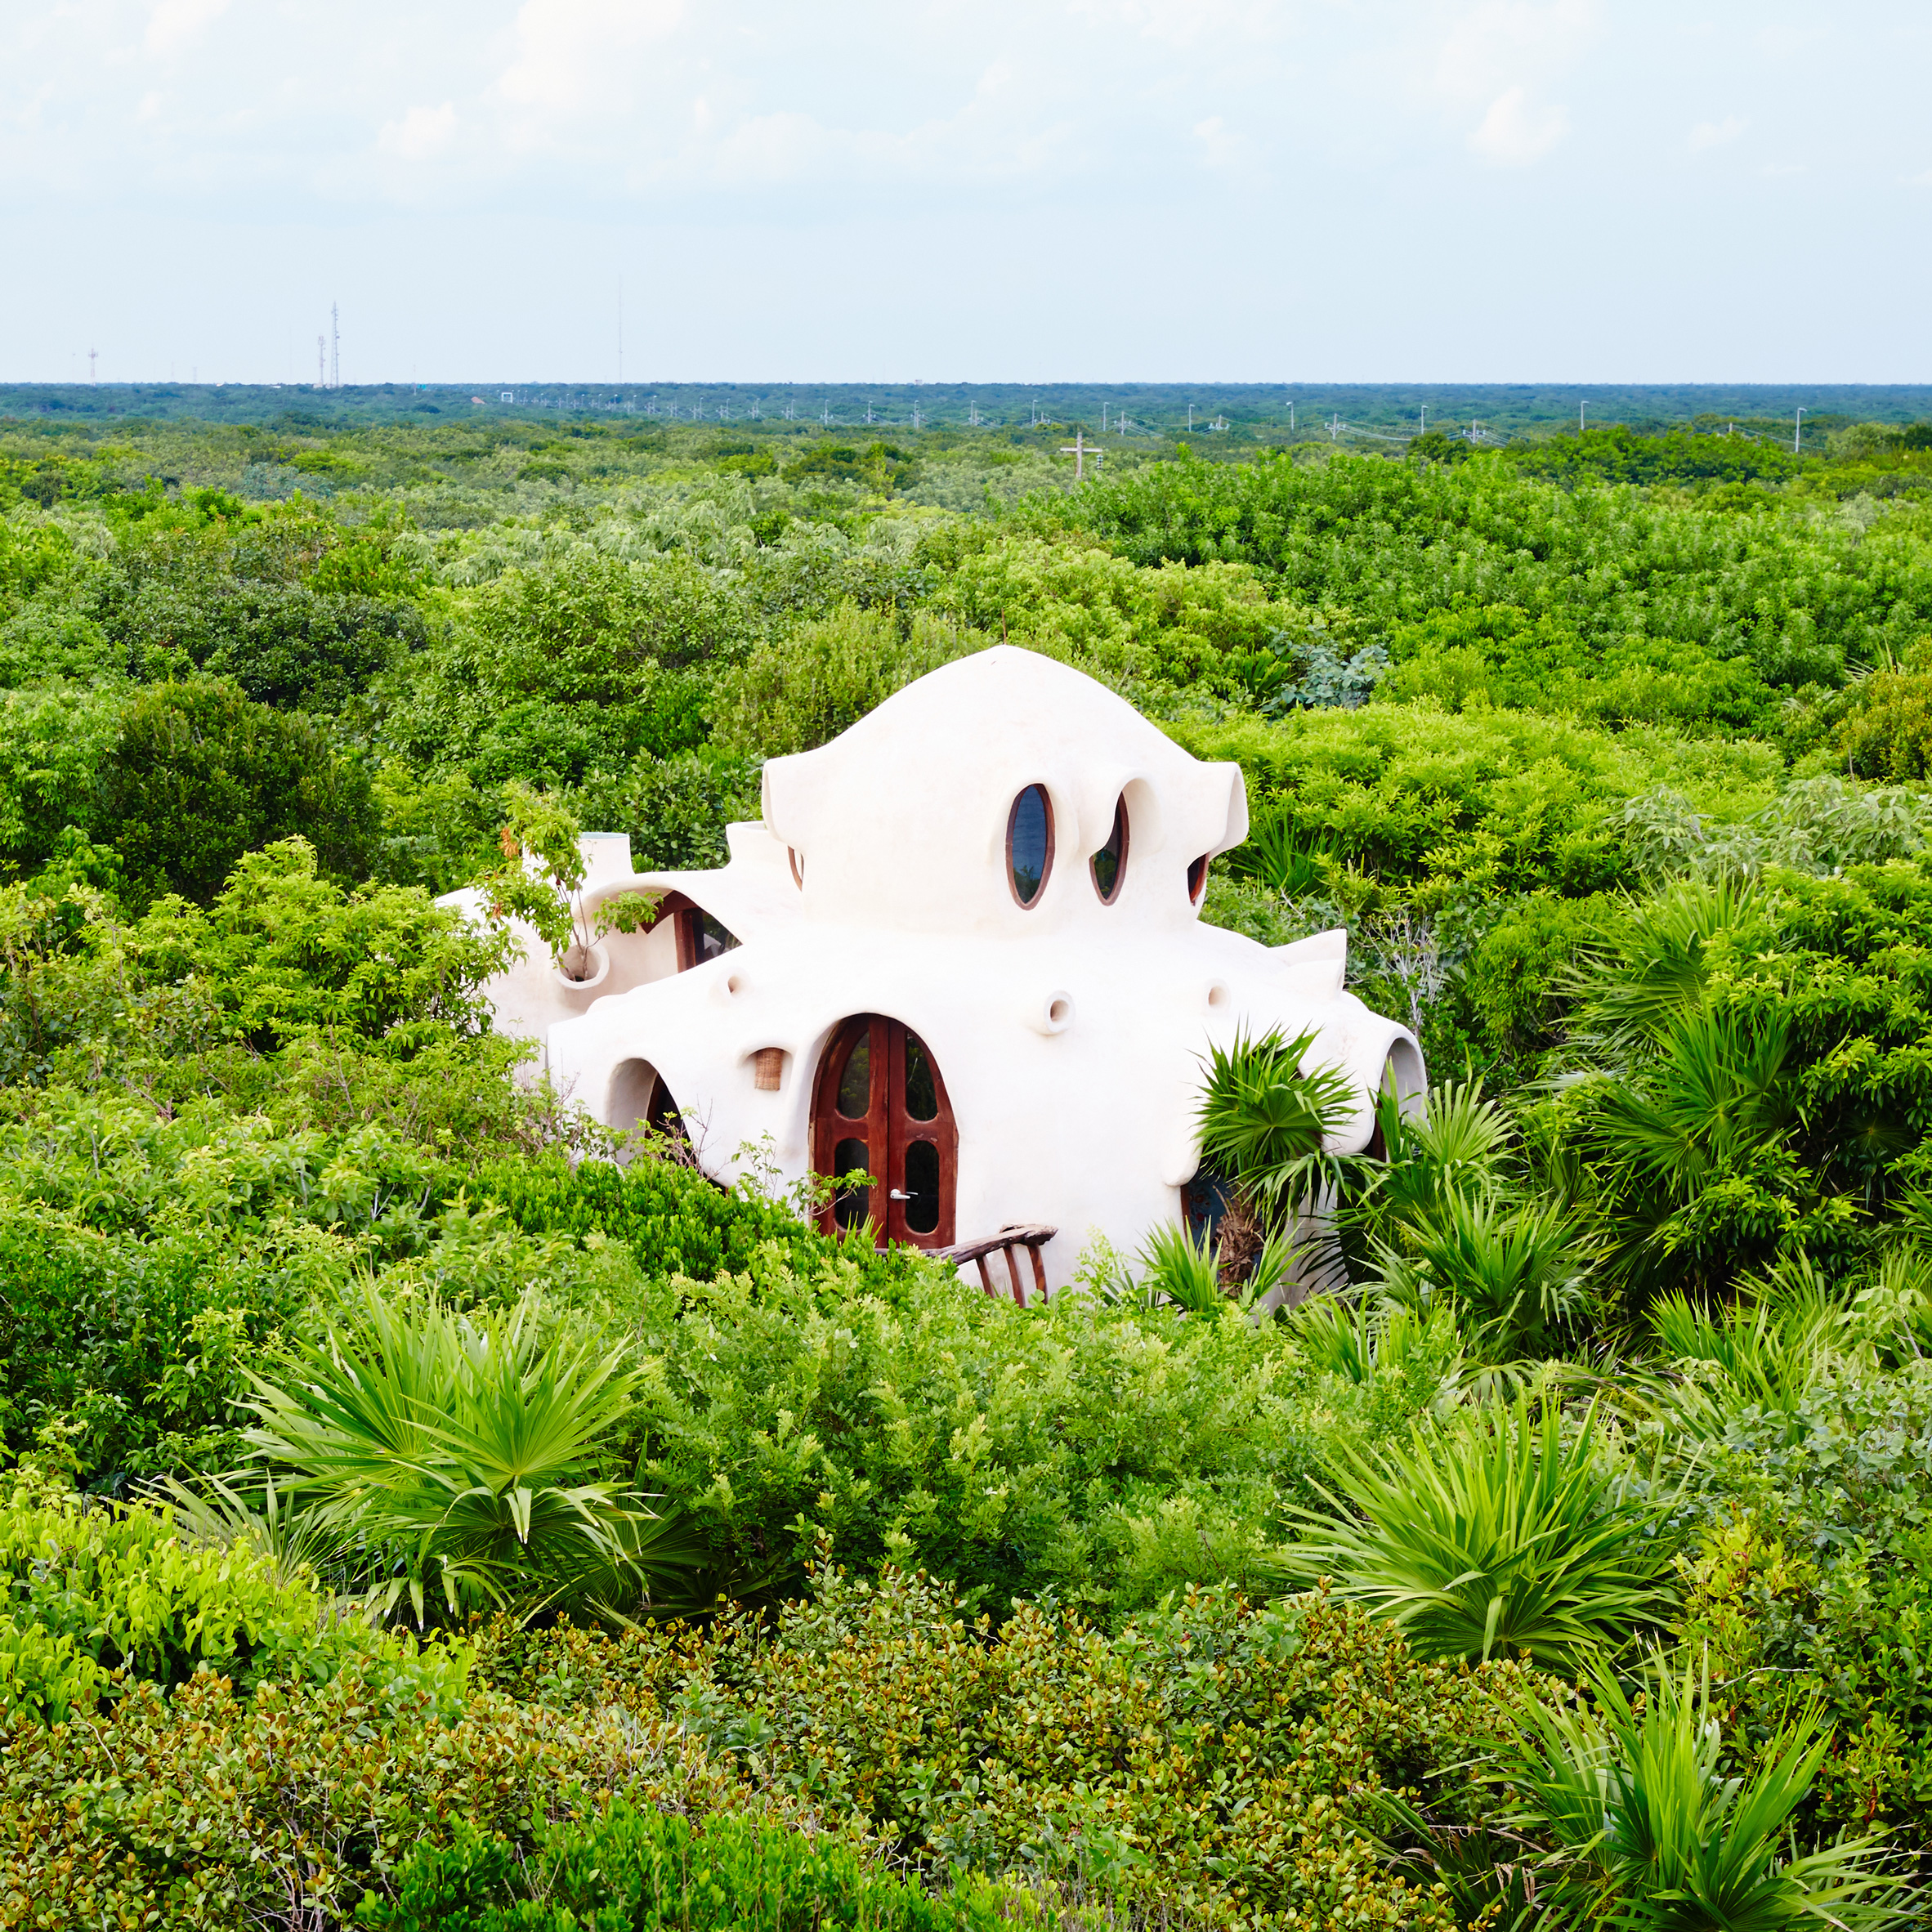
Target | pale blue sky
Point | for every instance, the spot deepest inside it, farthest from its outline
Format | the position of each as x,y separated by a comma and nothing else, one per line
1583,191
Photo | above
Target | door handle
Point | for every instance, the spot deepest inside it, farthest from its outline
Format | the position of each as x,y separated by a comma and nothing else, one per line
897,1194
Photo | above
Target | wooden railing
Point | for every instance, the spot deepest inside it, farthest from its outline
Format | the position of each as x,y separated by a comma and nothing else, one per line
1009,1241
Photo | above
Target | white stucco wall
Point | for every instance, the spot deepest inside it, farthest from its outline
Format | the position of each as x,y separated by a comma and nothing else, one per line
1070,1033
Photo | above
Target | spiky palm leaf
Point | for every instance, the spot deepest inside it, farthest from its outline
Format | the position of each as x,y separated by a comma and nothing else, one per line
1263,1120
1515,1270
460,1454
1653,1835
1497,1532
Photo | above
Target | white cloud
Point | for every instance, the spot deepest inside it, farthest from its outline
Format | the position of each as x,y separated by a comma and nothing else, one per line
1184,22
422,132
1515,132
1714,134
174,23
573,55
1217,145
1511,43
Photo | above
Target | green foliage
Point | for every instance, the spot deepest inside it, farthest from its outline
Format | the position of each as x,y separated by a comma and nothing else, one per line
1213,1758
283,951
633,1866
1107,1453
1514,1272
1653,1833
1799,600
1263,1117
1502,1531
457,1455
99,1594
198,775
1488,802
541,882
796,692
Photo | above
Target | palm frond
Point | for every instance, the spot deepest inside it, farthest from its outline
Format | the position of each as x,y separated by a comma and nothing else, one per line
1497,1533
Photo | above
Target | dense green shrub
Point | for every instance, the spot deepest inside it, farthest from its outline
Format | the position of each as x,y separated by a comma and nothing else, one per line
640,1868
199,1809
1214,1757
198,775
116,1594
1487,802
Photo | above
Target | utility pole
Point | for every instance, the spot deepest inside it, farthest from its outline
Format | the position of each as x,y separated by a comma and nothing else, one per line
1080,450
1581,408
1798,435
1190,416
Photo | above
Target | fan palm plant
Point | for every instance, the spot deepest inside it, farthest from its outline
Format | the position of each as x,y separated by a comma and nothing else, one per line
1632,992
461,1455
1514,1270
1655,1835
1766,1355
1263,1120
1497,1532
1455,1142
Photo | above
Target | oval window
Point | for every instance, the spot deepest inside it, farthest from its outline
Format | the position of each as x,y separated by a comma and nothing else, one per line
1029,844
1197,877
1110,863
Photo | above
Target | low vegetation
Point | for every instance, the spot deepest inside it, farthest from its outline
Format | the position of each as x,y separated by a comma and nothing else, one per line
413,1515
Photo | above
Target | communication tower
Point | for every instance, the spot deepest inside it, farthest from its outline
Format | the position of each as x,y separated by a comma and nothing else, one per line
335,347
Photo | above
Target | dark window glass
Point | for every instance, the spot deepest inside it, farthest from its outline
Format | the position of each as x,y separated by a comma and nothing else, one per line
712,938
1110,863
1198,876
1029,842
922,1187
922,1090
854,1082
850,1207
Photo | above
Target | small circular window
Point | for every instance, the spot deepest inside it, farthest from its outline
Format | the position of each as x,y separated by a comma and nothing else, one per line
1110,863
1197,877
1029,844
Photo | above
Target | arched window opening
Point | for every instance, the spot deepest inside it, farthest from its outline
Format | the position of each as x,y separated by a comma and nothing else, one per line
1110,863
798,863
1029,844
1197,877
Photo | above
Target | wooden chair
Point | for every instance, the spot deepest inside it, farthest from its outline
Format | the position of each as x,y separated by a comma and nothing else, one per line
1028,1236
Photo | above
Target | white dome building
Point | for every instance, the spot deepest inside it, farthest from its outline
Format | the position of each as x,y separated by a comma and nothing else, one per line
962,953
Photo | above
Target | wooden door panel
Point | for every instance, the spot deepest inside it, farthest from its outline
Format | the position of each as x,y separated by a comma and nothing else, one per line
906,1129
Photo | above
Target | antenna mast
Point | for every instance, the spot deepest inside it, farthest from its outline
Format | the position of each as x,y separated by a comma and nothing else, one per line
335,347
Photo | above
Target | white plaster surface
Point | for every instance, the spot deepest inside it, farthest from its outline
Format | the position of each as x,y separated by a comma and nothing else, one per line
1070,1035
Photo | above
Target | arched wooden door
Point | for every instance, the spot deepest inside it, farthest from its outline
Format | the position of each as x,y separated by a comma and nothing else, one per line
880,1108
